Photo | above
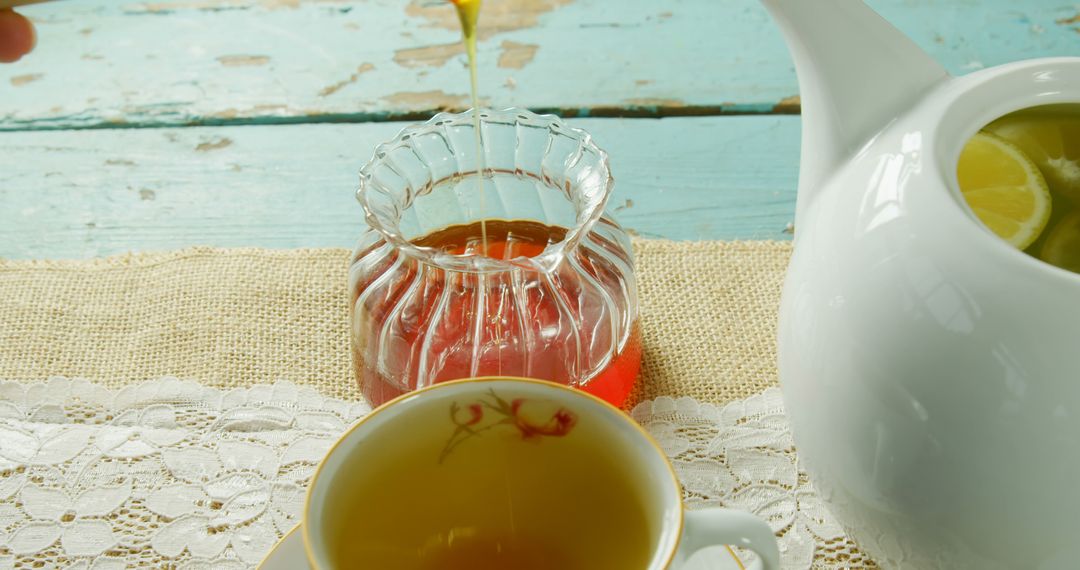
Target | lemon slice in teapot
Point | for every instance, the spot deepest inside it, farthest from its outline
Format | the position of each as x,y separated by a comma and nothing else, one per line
1051,137
1004,189
1062,245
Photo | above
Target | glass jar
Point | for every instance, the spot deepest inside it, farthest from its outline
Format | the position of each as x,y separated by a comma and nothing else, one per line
549,294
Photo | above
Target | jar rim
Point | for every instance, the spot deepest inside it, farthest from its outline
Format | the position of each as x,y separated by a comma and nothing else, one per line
588,210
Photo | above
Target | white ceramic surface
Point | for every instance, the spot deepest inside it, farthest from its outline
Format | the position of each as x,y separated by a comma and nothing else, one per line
288,554
679,535
931,371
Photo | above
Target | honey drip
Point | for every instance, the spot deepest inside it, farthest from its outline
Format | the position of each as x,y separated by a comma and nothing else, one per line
469,13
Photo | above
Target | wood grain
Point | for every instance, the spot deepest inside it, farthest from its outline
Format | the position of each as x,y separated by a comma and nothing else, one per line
108,63
76,194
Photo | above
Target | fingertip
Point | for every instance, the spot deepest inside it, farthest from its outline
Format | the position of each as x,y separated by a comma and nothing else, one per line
17,36
33,34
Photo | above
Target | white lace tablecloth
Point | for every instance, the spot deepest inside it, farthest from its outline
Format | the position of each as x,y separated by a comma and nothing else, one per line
172,474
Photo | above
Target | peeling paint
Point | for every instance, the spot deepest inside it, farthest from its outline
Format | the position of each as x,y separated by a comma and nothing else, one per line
788,105
428,100
214,94
119,162
664,15
233,113
428,56
219,5
515,55
168,7
655,102
20,80
498,17
590,25
1069,21
147,194
214,144
243,60
331,89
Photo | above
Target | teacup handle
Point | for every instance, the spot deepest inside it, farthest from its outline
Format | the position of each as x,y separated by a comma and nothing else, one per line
713,527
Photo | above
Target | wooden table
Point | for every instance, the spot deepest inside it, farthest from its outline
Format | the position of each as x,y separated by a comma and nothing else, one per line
162,124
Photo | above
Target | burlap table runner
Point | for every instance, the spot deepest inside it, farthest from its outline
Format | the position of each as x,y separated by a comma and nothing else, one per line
236,317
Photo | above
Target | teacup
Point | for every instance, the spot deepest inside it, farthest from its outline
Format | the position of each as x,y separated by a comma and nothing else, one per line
508,473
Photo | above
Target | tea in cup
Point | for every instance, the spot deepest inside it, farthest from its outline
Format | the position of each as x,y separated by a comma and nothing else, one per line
499,473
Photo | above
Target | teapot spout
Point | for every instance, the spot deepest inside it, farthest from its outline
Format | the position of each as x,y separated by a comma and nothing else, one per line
856,73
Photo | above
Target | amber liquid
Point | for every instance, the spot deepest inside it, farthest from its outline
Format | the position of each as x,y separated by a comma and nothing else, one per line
502,325
497,501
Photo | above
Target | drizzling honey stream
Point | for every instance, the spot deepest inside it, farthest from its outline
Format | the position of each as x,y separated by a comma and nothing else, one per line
469,14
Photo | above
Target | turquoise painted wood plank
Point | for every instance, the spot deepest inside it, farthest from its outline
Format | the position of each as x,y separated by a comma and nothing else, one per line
74,194
170,62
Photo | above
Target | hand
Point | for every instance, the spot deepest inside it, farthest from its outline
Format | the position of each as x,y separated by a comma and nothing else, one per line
17,36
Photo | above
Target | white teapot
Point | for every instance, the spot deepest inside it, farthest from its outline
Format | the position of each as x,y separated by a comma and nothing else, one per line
930,370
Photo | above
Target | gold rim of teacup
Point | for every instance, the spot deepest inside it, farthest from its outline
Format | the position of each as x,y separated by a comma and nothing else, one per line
479,380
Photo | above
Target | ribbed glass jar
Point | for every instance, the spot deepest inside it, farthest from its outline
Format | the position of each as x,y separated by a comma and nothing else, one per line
552,293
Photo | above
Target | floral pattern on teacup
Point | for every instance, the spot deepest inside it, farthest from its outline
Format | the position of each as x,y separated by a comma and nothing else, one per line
532,418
